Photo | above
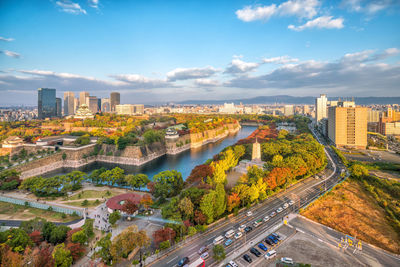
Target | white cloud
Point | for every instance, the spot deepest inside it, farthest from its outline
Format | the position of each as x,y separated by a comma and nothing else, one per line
191,73
206,82
140,80
324,22
6,39
238,66
299,8
10,54
70,7
280,60
94,3
370,7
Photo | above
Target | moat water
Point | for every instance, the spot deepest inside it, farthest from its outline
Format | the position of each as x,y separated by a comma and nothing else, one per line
183,162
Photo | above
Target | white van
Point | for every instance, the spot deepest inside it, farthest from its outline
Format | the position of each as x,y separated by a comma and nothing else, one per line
229,234
271,254
218,240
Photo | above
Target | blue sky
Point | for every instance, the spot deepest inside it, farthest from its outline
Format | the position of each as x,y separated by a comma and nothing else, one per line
159,51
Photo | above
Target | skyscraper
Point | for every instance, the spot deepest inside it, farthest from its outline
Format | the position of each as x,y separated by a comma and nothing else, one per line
320,107
58,107
105,105
347,126
93,104
114,100
46,103
83,98
69,103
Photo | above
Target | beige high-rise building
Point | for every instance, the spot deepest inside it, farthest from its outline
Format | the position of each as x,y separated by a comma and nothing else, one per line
115,99
347,126
105,105
83,98
373,115
76,104
320,107
129,109
288,110
69,103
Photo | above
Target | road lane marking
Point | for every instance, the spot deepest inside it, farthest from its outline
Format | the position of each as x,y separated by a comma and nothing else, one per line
172,259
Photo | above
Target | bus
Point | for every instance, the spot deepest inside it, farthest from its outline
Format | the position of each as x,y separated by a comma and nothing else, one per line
197,263
218,240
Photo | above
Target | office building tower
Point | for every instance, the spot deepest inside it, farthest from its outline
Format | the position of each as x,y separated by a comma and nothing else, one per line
76,104
58,107
129,109
83,98
320,107
93,104
114,100
105,105
99,104
46,103
288,110
373,115
347,126
69,103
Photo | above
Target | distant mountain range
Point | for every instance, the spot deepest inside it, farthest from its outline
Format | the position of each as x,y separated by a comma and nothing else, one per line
286,99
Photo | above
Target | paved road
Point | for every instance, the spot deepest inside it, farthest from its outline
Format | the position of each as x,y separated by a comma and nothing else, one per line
333,237
302,193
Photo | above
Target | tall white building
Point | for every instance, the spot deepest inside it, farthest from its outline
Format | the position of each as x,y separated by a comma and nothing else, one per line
69,103
320,107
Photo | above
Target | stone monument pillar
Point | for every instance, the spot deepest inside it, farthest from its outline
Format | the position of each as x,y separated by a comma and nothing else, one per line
256,153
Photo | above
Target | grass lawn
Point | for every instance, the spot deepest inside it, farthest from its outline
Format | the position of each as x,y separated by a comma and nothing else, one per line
353,210
91,203
95,194
10,211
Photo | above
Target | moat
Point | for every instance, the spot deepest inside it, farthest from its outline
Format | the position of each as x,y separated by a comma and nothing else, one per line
183,162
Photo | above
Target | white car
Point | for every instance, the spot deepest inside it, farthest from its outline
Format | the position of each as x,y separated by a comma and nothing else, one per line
205,255
287,260
272,214
233,264
241,228
285,206
279,210
238,235
291,202
249,213
271,254
266,218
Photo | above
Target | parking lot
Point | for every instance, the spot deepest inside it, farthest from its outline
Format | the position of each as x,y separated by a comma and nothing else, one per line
372,156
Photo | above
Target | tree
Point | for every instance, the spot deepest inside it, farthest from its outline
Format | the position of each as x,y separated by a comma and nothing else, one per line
243,191
88,228
114,217
36,237
117,176
79,237
167,184
199,217
75,178
104,252
129,207
17,239
219,173
358,171
76,249
41,256
62,256
33,225
192,231
59,234
233,201
163,234
171,209
220,200
146,201
186,207
137,181
207,206
165,244
200,173
219,252
82,140
10,258
194,193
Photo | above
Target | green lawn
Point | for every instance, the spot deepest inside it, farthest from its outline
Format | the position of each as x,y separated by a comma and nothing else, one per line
92,194
91,203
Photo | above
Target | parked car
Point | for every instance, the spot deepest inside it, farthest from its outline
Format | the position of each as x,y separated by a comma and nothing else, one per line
287,260
183,262
262,246
229,233
255,252
247,258
272,214
291,202
205,255
233,264
257,223
279,210
269,241
249,213
238,235
273,239
285,206
202,250
266,218
270,254
276,236
248,229
241,228
228,242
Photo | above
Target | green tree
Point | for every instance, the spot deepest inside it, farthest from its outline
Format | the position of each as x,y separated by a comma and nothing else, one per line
79,237
167,184
137,181
62,256
17,239
186,207
192,231
104,252
207,206
88,228
164,245
358,171
220,200
114,217
219,252
59,234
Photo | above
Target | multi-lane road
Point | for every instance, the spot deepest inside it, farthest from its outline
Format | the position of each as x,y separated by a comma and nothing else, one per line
302,194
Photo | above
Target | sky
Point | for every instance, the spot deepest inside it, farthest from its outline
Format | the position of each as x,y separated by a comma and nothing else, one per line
169,51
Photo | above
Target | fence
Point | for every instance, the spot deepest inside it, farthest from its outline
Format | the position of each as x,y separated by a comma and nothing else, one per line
43,206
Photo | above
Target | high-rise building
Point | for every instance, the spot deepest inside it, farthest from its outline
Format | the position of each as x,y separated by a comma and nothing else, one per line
46,103
58,107
288,110
76,104
306,109
83,98
115,99
69,103
99,104
347,126
93,104
320,107
105,105
373,115
129,109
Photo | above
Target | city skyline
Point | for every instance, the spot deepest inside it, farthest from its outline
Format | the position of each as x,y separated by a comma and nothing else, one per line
156,53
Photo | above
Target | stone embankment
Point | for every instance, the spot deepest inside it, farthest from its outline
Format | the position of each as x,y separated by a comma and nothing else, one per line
131,155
